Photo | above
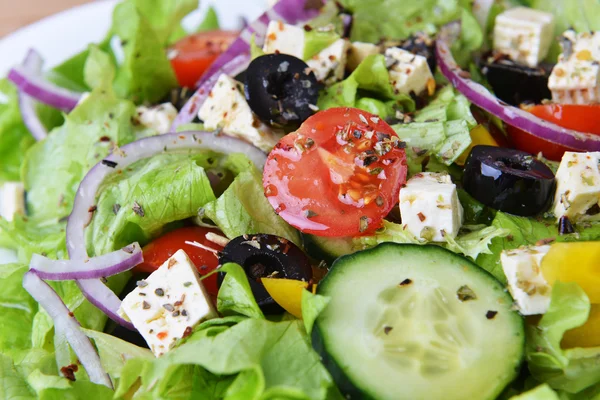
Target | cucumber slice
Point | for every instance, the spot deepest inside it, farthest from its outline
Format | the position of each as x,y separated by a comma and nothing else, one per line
417,322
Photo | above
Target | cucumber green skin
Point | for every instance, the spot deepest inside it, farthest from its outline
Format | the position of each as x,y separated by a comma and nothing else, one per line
350,389
326,248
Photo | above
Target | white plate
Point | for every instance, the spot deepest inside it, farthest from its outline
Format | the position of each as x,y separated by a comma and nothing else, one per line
60,36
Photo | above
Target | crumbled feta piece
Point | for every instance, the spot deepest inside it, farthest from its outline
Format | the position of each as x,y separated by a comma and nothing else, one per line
526,282
575,79
410,72
429,206
578,187
285,39
167,305
524,34
328,65
12,200
158,118
226,108
358,52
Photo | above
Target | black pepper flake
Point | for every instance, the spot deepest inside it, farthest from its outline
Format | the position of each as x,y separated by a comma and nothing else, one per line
109,163
145,305
310,214
370,160
69,372
138,209
465,293
175,313
405,282
142,294
363,223
159,292
169,307
387,329
565,226
491,314
116,208
187,332
382,136
184,313
357,134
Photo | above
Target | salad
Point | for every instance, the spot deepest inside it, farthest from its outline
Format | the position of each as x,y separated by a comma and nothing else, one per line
354,199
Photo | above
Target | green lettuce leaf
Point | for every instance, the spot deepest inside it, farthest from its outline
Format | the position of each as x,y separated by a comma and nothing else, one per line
88,134
244,209
50,387
317,40
14,386
312,306
571,370
31,235
582,15
98,70
470,40
210,21
397,19
235,295
165,16
267,360
146,74
137,204
370,79
542,392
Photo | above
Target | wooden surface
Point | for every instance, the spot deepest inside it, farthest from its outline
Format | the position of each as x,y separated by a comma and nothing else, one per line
17,13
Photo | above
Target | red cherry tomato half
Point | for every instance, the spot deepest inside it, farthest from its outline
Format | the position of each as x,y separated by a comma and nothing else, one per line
582,118
159,250
339,174
192,55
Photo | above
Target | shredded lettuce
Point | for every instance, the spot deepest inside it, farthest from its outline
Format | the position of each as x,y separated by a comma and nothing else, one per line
235,296
370,80
312,306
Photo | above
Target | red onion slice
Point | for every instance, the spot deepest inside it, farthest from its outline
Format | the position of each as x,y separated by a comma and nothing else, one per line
514,116
96,267
66,324
34,63
40,89
93,289
237,57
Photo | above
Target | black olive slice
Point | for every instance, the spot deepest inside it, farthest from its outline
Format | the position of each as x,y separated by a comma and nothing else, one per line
508,180
281,90
516,84
262,256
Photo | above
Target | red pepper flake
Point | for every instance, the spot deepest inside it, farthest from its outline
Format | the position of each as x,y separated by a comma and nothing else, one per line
105,139
69,371
543,242
172,262
92,209
187,332
272,36
421,217
180,302
71,314
162,335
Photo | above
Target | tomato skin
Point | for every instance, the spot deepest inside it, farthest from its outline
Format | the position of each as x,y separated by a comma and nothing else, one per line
328,187
582,118
191,56
160,249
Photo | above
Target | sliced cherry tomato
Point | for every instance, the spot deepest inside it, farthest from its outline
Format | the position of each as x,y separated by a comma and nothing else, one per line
192,55
338,175
582,118
159,250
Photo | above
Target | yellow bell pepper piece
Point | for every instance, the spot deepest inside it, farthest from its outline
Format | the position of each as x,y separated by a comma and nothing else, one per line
577,262
587,335
287,293
479,135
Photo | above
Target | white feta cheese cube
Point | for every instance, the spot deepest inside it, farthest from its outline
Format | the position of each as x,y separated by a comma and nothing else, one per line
226,108
158,118
526,282
168,304
429,206
410,73
285,39
578,187
524,34
328,65
12,200
575,78
358,52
